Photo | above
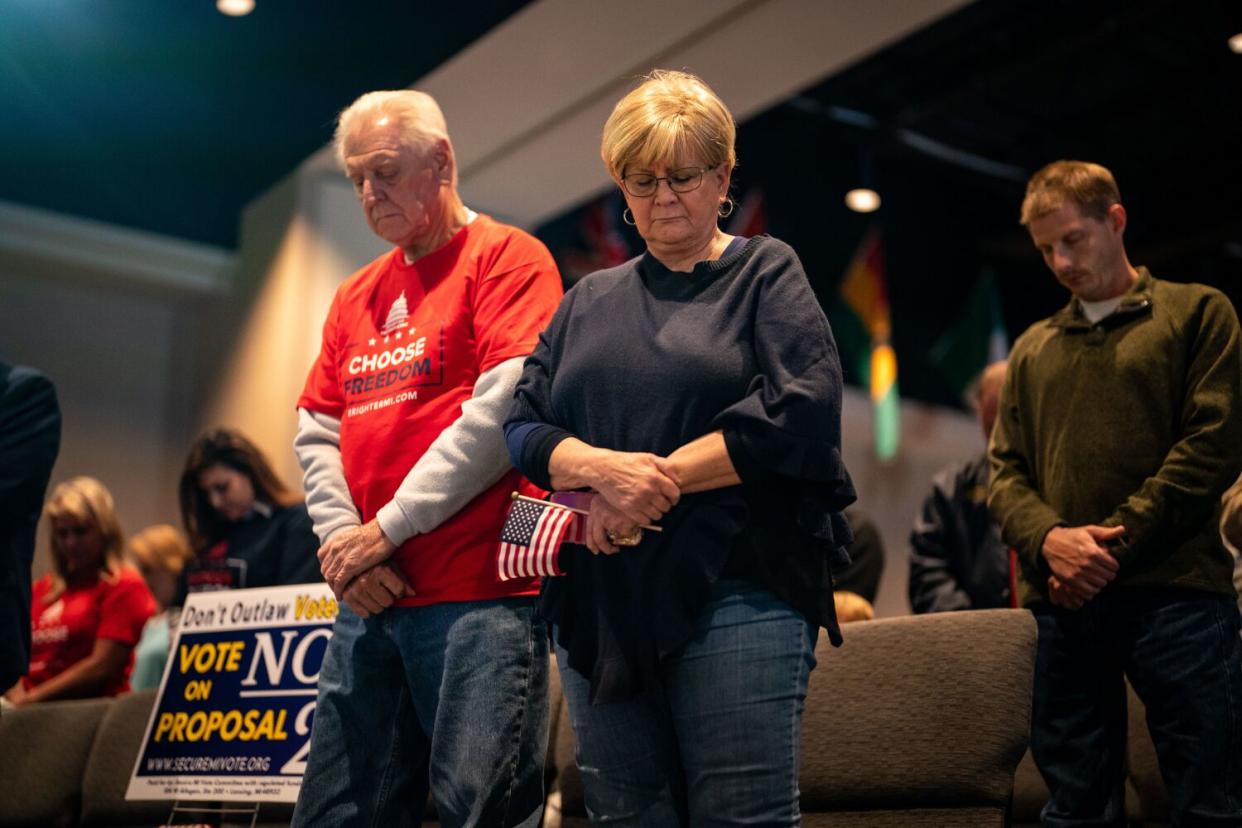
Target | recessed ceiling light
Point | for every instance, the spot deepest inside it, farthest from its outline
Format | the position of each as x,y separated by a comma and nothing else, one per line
862,200
1235,43
235,8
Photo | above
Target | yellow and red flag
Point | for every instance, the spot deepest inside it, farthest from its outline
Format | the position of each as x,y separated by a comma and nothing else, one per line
863,330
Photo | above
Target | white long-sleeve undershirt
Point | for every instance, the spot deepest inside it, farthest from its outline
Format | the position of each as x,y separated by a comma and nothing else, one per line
461,463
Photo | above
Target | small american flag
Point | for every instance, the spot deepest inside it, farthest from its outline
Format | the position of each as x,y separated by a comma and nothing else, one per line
532,536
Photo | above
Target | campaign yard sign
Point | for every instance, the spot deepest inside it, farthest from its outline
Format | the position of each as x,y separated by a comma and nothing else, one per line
232,719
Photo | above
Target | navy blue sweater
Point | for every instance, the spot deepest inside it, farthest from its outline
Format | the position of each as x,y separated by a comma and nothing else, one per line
641,358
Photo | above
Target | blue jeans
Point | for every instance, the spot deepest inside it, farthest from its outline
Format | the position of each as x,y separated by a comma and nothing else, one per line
450,698
1183,656
718,743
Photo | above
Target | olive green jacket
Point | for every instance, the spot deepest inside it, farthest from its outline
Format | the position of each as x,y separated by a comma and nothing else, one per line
1129,421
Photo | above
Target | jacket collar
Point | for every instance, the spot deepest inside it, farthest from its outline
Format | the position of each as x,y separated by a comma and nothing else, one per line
1137,299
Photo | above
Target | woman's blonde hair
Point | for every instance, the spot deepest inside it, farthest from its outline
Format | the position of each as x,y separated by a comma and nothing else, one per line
160,547
670,115
85,500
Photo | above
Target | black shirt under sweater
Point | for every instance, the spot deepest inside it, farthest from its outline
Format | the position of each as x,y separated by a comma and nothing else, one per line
641,358
271,546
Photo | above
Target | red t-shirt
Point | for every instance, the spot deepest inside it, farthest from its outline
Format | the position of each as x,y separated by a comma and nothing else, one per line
64,632
402,348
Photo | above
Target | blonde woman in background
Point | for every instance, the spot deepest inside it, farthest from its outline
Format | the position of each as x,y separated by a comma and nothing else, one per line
87,614
160,553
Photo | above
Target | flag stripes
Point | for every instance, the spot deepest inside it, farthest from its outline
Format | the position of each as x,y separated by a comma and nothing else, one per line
530,539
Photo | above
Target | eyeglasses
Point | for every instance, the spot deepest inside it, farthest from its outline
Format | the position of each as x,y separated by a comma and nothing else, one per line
644,185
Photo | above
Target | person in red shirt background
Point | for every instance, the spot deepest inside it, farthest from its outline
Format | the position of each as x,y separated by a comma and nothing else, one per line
88,612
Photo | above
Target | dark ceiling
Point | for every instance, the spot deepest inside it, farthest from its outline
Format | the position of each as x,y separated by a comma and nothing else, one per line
1149,88
166,115
169,117
949,123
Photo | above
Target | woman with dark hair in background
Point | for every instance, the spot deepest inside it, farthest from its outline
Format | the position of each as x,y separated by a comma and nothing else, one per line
247,528
88,612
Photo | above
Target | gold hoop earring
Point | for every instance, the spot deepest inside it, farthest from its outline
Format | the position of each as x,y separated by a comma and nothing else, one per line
628,217
726,207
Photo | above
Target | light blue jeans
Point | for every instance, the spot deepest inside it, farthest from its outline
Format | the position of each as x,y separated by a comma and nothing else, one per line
450,699
718,743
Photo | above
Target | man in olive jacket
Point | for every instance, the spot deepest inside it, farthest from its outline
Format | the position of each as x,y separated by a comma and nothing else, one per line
1117,435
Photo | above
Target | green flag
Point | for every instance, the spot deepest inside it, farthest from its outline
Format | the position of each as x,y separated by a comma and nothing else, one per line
976,338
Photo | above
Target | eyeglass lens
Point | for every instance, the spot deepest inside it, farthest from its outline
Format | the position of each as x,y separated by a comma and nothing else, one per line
679,181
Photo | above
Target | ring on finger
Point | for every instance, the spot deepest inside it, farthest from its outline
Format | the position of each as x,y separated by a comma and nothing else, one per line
629,539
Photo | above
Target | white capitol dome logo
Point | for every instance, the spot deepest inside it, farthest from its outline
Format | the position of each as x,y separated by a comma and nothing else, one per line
398,315
53,613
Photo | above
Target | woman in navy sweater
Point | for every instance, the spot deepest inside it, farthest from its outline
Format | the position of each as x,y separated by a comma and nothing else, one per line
697,385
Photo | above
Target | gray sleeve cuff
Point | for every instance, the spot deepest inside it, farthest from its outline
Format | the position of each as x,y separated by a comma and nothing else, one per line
468,457
318,449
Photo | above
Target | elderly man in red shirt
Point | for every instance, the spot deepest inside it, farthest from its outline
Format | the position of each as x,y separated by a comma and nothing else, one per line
436,677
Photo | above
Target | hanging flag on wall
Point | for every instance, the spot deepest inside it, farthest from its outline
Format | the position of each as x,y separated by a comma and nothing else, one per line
863,330
598,240
976,338
750,218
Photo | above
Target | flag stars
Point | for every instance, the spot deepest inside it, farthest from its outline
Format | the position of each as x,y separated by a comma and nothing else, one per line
385,340
371,341
529,540
398,334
